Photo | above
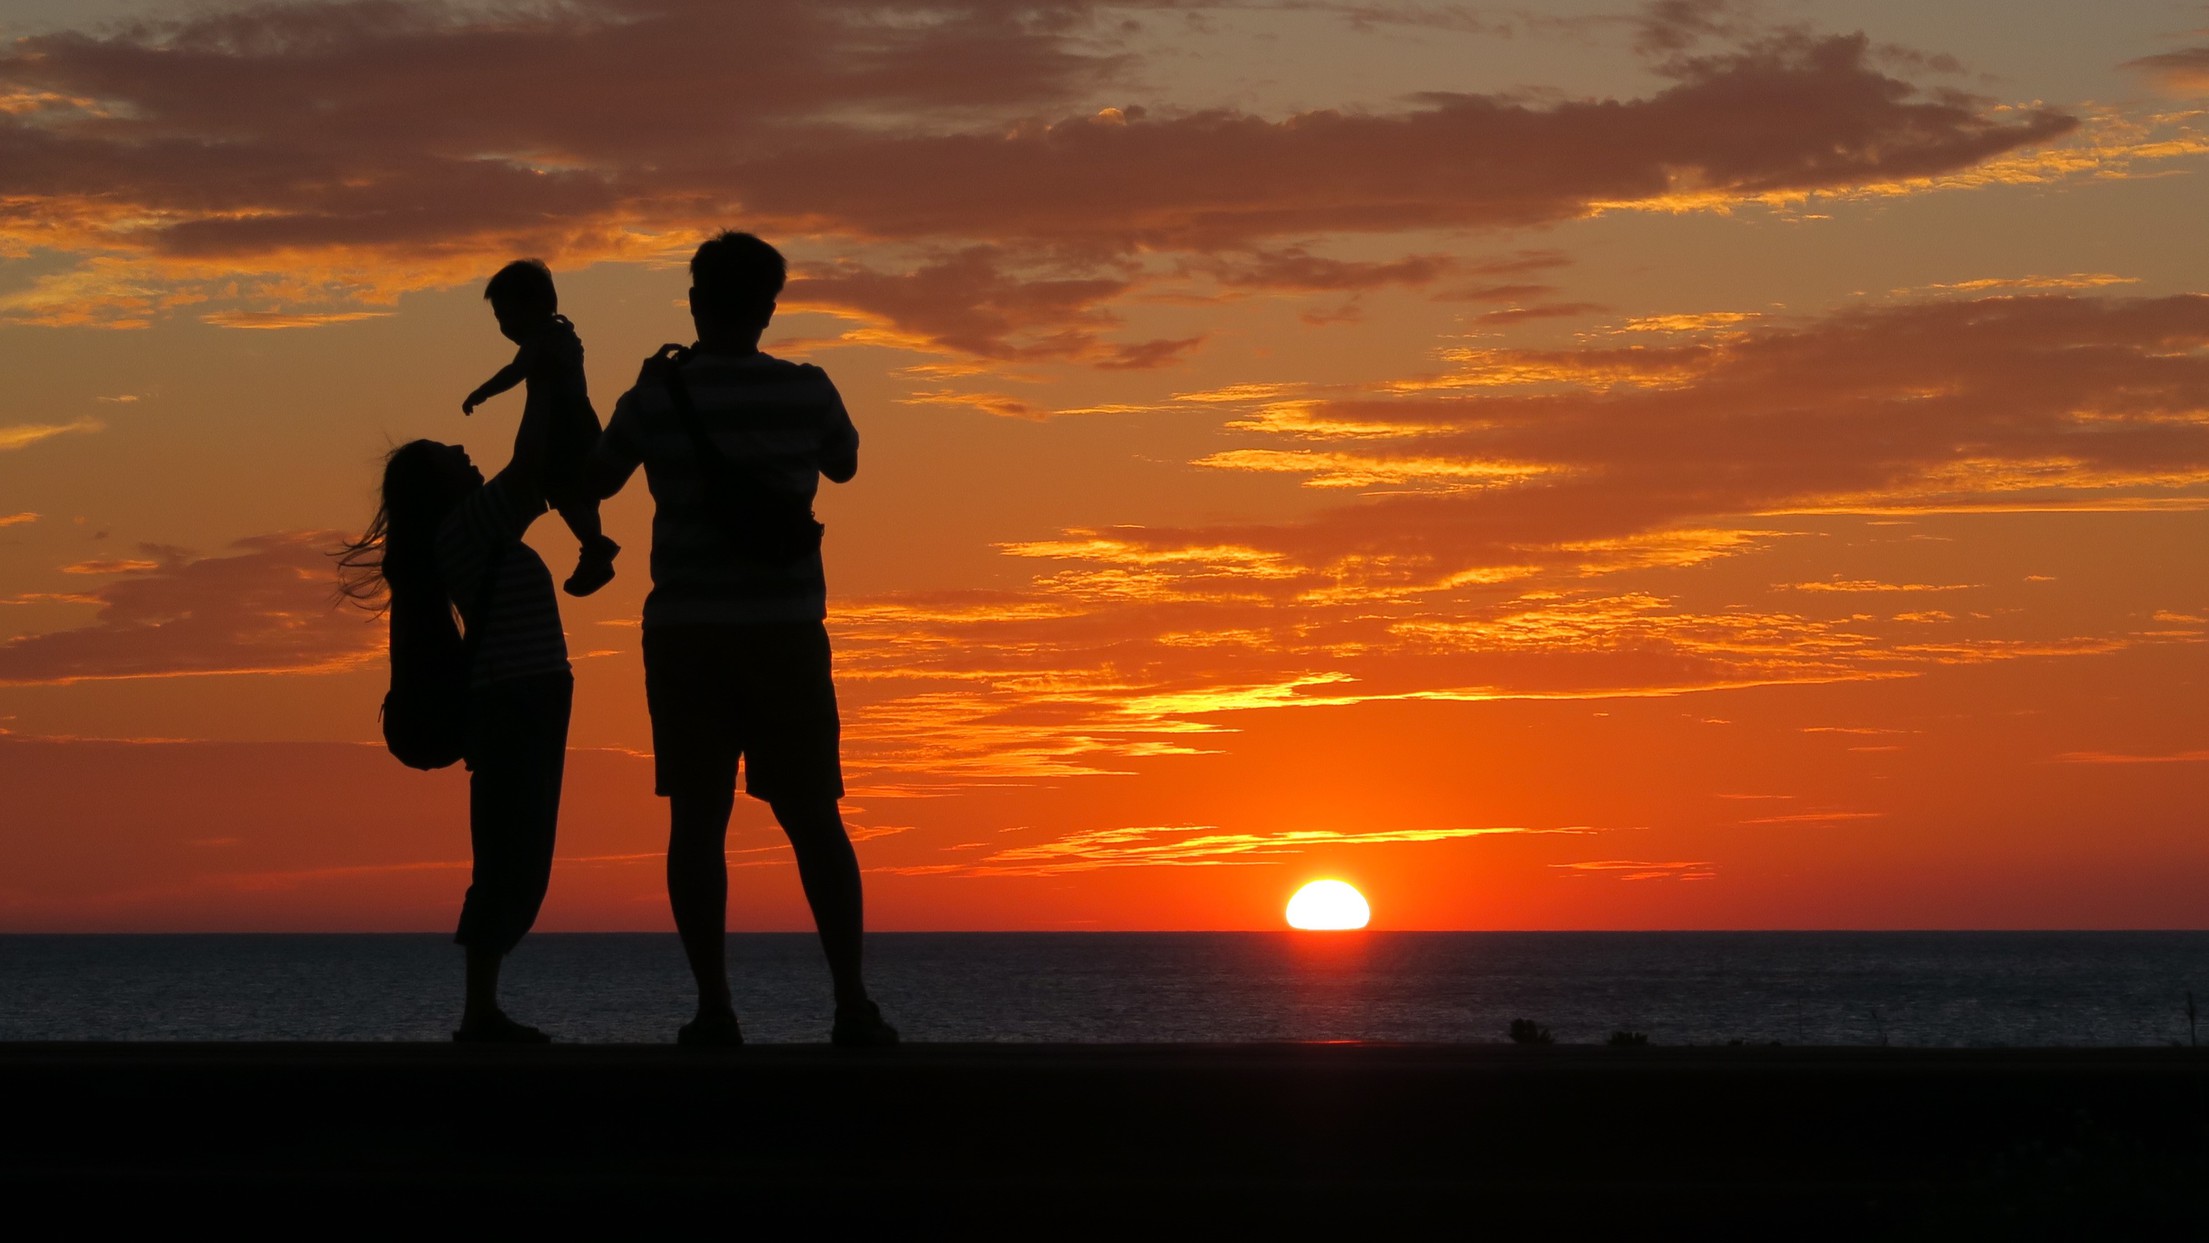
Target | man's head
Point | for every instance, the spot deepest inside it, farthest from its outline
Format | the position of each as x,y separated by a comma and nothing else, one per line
521,297
734,281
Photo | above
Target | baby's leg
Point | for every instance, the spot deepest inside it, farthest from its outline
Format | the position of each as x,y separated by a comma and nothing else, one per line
594,567
573,437
581,515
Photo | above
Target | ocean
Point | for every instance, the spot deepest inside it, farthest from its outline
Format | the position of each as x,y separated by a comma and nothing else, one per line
1931,989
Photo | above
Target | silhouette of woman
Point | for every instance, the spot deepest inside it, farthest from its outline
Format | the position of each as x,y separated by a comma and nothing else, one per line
439,534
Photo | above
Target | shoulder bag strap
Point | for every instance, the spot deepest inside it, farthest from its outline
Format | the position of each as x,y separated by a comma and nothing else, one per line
727,471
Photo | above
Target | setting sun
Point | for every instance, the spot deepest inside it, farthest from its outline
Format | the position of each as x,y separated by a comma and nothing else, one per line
1328,906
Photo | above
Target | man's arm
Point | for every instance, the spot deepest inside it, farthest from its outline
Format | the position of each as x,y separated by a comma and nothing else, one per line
605,474
840,462
619,449
840,451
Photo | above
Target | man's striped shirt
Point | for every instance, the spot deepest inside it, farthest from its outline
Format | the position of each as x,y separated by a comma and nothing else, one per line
778,422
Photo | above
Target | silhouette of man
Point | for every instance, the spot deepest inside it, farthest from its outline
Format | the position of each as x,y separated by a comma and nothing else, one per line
736,657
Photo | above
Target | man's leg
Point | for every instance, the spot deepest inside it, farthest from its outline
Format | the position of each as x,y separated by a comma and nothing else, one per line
829,871
698,889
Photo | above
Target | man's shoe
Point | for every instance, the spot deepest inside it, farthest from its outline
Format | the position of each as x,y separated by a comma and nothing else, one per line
860,1026
500,1030
711,1031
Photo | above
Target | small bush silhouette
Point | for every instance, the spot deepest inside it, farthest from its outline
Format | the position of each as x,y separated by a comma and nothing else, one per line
1527,1031
1623,1039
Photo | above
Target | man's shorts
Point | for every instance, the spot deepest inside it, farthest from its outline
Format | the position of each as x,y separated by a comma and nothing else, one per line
762,691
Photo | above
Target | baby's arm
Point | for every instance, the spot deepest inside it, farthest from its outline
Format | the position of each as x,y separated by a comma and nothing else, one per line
508,376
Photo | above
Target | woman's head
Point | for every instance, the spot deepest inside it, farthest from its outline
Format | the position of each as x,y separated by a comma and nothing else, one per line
422,481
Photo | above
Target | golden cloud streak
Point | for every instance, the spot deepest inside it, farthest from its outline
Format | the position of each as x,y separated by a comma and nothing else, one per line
1350,470
1598,371
1673,549
1288,693
1638,869
1871,585
24,435
1237,393
124,565
277,320
1703,322
999,404
1300,418
2076,280
1229,560
1191,846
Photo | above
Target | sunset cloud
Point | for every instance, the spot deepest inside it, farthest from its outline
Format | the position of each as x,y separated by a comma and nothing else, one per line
970,302
1295,269
1871,585
176,160
1184,846
1639,869
1486,545
112,565
24,435
286,319
1217,178
2001,402
266,608
2184,72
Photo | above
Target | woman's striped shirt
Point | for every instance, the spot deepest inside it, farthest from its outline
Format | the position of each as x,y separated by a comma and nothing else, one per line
520,622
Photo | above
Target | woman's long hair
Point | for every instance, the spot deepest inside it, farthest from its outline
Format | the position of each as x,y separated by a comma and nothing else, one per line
396,555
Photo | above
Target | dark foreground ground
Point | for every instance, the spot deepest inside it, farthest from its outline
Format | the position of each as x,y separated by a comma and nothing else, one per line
1050,1141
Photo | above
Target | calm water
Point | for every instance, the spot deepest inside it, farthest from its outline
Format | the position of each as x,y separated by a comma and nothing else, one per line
1940,989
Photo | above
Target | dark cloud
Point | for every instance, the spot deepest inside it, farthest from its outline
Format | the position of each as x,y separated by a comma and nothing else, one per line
1515,523
1789,115
2183,72
973,301
1540,310
1295,269
264,609
1495,293
2047,399
1667,26
358,149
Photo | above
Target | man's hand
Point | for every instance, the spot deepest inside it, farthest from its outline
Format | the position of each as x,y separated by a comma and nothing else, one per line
469,403
654,370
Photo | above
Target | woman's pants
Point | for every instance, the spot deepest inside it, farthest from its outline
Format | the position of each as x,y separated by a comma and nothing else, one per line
517,752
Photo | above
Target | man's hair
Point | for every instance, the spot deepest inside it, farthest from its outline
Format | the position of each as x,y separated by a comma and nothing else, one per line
736,276
524,280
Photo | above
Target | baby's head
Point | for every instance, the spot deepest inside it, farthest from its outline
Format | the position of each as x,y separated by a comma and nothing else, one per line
522,298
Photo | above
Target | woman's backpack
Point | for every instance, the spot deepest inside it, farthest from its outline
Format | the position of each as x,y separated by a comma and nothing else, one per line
425,713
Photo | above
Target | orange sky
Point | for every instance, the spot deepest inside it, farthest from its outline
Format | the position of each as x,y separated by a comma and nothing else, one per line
1677,465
